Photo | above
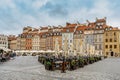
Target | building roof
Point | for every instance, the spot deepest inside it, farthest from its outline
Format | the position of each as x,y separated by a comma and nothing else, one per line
71,25
42,33
115,28
82,28
68,29
91,24
101,20
43,28
35,30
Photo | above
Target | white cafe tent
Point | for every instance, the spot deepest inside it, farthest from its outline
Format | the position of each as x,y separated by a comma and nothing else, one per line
5,49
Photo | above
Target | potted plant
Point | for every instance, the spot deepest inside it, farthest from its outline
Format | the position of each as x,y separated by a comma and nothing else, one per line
81,62
48,65
91,60
73,64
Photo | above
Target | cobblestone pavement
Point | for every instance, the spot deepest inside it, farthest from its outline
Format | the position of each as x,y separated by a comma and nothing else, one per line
28,68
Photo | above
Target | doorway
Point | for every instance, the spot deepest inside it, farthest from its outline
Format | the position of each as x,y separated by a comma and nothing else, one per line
112,54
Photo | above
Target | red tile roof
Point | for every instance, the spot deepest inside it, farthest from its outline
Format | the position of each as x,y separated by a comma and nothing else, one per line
44,28
91,24
82,28
69,27
101,20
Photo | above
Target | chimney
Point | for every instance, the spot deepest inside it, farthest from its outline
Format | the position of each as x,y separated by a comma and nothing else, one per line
96,18
67,24
105,18
87,21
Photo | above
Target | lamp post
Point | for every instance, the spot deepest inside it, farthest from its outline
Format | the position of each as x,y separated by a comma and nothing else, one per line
64,55
63,65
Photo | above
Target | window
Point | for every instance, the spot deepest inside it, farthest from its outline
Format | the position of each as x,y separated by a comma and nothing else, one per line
115,40
106,29
106,34
100,47
106,53
100,40
67,30
63,41
86,36
115,46
106,46
70,41
106,40
51,34
80,31
96,27
114,34
110,40
95,46
110,28
95,40
100,27
110,46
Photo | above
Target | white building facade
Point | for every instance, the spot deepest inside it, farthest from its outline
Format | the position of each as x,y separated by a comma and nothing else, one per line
67,39
36,42
3,41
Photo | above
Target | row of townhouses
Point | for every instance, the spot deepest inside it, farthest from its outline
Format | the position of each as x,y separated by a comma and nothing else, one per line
92,37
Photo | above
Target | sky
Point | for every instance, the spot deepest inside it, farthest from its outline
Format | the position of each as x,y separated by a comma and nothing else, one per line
16,14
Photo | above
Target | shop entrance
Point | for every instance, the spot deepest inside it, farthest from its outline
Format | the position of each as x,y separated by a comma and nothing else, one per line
112,54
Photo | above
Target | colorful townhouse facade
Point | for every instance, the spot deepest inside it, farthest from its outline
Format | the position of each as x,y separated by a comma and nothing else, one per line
112,42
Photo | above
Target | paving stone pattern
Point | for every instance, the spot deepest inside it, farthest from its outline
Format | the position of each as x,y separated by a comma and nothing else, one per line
28,68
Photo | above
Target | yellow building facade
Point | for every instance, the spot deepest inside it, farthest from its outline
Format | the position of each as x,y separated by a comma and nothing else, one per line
112,42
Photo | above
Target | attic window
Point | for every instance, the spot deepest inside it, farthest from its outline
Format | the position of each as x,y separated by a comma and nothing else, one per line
80,31
106,29
98,23
96,27
77,32
110,28
100,27
51,34
102,23
67,30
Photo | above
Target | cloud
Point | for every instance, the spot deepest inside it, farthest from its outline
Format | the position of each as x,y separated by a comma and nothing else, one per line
15,14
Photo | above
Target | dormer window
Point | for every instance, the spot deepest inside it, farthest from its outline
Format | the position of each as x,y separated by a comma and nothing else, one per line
77,32
96,27
98,23
67,30
110,28
106,29
102,23
100,27
80,31
51,34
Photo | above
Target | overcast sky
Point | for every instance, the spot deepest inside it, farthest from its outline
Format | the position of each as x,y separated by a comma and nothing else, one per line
16,14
